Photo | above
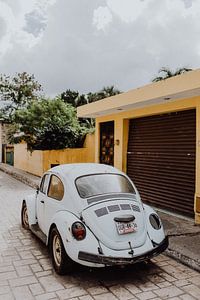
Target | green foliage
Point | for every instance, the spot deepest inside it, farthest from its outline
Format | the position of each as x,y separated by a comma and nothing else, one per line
73,98
76,99
45,124
167,73
105,92
18,91
48,124
82,100
70,97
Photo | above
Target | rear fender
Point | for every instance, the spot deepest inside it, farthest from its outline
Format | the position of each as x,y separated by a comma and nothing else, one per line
30,202
63,221
158,235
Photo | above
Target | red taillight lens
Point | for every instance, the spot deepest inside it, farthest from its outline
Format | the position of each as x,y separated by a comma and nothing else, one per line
78,231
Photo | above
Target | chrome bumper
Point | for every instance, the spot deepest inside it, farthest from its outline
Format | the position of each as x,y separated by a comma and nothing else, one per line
110,260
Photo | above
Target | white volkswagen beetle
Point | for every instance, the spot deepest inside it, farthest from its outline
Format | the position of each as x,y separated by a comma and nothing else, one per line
92,214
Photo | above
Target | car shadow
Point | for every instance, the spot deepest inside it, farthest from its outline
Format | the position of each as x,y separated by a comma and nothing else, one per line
120,274
106,276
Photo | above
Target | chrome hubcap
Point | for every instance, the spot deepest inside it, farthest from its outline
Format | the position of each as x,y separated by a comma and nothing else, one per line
57,250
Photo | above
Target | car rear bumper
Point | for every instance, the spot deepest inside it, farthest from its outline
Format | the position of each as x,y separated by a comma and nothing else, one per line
110,260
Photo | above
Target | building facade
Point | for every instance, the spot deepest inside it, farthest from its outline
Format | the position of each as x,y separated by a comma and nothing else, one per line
153,134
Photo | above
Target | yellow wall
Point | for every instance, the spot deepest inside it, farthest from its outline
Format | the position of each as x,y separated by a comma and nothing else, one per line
67,156
29,162
38,161
121,134
90,145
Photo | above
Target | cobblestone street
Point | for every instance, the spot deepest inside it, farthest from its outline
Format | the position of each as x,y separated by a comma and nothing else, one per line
26,272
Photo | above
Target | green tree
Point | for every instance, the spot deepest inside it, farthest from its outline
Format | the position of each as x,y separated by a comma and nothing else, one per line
108,91
82,100
47,124
70,97
76,99
105,92
167,73
18,91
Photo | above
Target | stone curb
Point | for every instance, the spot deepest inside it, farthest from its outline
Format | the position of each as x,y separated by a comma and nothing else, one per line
188,261
21,176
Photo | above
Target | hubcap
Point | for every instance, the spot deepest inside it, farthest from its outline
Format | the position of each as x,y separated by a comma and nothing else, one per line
57,250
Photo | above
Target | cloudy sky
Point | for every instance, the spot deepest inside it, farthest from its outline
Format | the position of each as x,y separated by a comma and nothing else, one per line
87,44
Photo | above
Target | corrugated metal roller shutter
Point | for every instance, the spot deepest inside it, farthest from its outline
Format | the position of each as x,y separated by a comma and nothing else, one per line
161,159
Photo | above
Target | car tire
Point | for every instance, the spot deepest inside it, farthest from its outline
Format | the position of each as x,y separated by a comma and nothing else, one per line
24,216
60,260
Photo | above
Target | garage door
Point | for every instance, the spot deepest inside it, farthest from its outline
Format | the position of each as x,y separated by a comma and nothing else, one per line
161,159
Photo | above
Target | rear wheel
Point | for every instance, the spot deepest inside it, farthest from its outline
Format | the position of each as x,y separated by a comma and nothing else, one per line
61,262
24,216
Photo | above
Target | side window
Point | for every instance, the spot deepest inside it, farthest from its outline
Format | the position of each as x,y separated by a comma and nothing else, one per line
43,185
56,188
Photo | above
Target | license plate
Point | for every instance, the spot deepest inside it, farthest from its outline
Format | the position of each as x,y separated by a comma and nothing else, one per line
124,228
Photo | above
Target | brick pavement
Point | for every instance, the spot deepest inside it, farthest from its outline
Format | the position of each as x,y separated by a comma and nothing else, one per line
26,272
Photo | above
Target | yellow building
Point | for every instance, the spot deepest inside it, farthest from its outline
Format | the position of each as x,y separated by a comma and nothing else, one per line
153,134
39,161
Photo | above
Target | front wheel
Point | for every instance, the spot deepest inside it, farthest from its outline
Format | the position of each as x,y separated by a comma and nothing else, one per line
24,216
61,262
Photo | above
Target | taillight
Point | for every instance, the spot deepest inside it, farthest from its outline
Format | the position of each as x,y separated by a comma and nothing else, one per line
78,231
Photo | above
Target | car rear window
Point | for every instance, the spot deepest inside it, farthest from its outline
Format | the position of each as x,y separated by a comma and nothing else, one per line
99,184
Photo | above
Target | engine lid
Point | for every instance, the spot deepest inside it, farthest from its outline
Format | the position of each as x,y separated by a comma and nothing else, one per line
117,223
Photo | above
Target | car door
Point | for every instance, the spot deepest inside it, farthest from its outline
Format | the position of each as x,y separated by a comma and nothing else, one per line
53,202
41,200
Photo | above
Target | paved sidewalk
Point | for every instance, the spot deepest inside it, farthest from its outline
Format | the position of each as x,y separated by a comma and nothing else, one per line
184,239
21,175
184,235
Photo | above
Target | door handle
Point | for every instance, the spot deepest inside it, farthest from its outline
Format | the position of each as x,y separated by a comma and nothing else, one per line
42,201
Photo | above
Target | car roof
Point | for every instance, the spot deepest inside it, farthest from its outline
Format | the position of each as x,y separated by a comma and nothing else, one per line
81,169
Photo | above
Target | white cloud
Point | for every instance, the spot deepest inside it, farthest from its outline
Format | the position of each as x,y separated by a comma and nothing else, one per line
102,17
85,45
15,20
7,19
129,10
